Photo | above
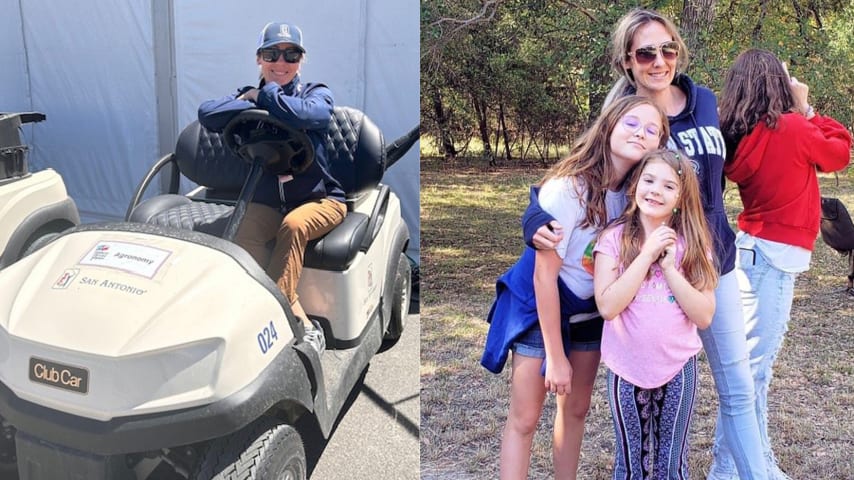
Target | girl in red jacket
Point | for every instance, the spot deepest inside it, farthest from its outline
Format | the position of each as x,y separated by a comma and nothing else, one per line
775,143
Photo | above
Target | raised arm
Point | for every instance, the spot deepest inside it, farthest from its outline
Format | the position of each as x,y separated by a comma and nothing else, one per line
828,145
698,305
215,114
311,111
615,291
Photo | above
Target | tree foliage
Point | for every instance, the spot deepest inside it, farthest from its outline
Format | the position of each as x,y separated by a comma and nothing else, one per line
519,77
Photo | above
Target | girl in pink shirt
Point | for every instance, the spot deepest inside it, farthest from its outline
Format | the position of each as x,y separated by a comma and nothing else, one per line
654,282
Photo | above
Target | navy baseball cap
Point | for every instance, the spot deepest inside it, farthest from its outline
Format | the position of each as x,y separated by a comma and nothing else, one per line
277,32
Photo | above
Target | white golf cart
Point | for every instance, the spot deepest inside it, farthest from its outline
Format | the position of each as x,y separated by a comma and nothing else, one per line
157,348
33,206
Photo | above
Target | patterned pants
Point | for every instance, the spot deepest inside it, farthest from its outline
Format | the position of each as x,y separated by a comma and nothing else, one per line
652,425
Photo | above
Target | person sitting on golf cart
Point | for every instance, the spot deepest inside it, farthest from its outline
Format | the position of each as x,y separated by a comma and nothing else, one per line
292,209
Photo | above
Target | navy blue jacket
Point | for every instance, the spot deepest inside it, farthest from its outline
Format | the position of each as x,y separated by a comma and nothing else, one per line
305,107
696,131
514,310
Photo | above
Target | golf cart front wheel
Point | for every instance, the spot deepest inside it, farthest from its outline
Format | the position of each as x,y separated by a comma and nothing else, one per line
266,449
400,299
8,460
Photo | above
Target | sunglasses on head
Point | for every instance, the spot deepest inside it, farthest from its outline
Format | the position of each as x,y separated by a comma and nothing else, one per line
271,55
647,54
633,124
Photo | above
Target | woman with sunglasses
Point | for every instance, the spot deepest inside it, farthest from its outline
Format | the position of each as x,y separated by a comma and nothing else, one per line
774,137
649,56
290,209
544,308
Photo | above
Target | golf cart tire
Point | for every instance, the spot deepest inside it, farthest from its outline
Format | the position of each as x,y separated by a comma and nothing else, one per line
8,458
8,471
400,300
265,449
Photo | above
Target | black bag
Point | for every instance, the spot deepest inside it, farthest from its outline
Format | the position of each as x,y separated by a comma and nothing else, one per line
837,231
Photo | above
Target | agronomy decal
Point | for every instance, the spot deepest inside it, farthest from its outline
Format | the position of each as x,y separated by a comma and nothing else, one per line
128,257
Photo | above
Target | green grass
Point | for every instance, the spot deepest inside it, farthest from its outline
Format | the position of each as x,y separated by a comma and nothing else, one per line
471,234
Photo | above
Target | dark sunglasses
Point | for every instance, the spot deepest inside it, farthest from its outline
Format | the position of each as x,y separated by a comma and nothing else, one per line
271,55
647,54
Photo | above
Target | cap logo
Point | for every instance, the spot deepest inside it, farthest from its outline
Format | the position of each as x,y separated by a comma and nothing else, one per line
284,31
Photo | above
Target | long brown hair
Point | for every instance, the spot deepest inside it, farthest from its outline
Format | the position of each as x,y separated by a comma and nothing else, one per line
689,221
756,89
589,160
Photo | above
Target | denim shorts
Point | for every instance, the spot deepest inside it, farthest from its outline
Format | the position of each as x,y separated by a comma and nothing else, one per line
583,336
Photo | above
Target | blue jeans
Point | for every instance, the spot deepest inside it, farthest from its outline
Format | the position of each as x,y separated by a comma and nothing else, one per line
583,336
766,294
737,440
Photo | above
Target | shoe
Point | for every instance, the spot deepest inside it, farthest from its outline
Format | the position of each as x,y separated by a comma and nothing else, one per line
314,337
723,468
774,471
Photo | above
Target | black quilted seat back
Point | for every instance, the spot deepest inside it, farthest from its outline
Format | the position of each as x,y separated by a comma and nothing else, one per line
354,145
203,158
355,150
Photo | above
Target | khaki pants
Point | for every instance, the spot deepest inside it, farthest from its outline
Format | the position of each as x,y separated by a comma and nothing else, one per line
292,232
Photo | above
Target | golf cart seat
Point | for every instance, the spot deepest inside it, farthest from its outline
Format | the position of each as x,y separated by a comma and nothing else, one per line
357,158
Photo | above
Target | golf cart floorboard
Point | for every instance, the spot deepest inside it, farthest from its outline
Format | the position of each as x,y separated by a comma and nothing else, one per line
343,368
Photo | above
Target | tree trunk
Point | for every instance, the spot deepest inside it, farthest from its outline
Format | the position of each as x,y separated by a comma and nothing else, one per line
444,128
760,19
697,17
480,111
503,126
497,131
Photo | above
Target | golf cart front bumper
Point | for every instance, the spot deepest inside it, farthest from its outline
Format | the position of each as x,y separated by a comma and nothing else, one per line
154,431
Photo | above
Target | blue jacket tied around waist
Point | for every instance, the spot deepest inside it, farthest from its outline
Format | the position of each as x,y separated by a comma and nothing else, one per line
514,310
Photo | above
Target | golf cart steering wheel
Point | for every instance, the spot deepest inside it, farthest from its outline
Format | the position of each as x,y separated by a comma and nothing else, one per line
256,135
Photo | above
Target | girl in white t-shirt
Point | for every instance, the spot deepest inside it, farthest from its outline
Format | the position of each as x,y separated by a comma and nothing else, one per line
546,289
654,280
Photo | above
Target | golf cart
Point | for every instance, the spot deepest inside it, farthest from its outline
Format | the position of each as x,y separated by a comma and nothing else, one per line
157,348
33,206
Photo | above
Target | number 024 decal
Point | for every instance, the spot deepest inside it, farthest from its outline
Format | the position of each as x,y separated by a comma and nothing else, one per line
267,337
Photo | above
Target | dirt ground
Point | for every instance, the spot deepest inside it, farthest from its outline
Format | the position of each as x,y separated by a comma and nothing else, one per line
470,235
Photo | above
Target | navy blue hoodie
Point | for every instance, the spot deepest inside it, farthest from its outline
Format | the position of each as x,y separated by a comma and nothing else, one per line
305,107
697,132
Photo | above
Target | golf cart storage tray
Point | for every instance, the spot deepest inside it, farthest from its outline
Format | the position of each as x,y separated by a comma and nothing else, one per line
13,152
13,161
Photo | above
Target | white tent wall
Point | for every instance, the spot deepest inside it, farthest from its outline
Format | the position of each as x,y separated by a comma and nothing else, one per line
89,71
118,80
13,60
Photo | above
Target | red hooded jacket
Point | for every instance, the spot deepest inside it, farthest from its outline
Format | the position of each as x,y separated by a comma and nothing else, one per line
775,170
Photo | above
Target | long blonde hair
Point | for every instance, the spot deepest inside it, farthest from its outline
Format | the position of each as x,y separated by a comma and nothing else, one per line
589,160
689,220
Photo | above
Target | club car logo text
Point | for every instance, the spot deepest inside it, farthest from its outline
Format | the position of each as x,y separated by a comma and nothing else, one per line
57,375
